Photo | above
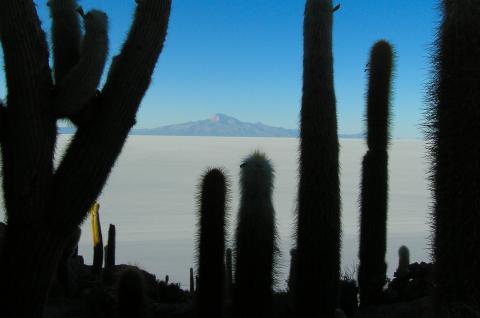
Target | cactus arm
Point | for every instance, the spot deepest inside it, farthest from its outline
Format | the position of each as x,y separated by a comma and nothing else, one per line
80,84
98,143
66,36
30,132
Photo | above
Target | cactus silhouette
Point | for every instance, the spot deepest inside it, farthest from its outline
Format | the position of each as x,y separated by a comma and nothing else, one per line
453,133
212,200
192,282
403,261
45,204
97,240
255,240
318,219
110,248
372,273
132,299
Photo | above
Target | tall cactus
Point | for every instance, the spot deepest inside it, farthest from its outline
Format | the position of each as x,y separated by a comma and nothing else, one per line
318,228
255,240
110,248
372,274
97,240
45,205
454,134
212,202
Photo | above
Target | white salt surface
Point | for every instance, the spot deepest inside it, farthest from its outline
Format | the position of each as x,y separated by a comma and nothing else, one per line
150,197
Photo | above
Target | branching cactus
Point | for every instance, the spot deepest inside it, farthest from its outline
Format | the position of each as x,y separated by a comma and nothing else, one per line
212,200
453,133
372,274
132,298
44,205
255,240
110,248
97,240
318,220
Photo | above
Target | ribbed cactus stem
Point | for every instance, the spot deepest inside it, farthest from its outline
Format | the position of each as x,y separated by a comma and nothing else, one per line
454,136
212,202
318,221
132,299
97,239
374,186
255,239
110,248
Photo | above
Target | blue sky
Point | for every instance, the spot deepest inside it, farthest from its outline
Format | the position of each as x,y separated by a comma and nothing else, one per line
244,58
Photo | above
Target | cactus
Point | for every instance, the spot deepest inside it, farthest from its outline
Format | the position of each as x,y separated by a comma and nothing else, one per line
374,187
403,262
132,299
212,200
45,204
97,240
255,239
292,273
192,282
453,133
110,248
318,220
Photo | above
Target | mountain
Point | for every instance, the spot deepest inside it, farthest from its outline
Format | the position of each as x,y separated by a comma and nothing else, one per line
218,125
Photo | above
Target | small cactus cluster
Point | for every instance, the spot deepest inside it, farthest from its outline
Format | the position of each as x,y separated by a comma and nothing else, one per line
255,227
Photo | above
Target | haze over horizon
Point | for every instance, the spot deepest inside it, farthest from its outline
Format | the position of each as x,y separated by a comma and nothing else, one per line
244,58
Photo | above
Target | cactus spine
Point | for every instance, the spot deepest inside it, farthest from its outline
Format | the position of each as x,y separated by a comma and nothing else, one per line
255,239
453,134
374,186
211,243
97,240
132,299
318,228
110,248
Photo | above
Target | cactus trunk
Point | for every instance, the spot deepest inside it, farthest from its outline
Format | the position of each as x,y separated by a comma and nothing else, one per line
318,228
255,240
211,244
110,249
454,134
372,273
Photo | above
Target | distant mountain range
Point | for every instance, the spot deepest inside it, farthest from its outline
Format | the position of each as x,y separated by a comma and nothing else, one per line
217,125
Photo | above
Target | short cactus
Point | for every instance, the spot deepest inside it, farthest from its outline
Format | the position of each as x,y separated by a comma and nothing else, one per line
97,239
403,262
255,240
110,248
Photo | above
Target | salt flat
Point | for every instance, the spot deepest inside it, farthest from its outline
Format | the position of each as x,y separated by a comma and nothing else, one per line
150,197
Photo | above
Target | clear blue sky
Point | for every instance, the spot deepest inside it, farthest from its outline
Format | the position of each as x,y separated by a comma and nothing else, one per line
244,58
